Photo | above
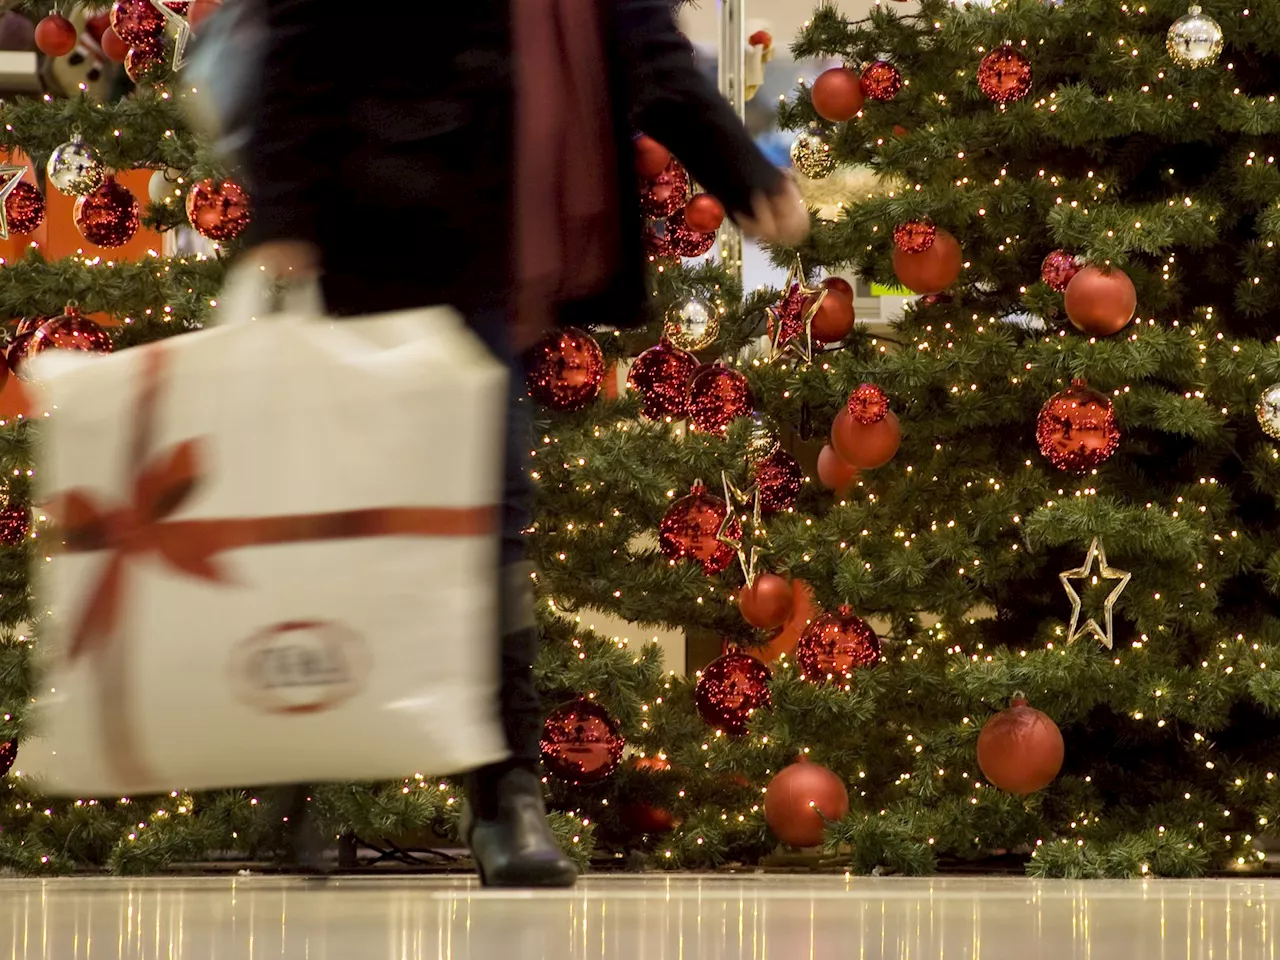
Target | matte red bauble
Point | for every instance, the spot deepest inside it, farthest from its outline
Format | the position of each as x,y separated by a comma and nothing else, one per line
15,524
767,603
113,47
835,645
55,35
651,157
833,472
646,818
109,215
881,80
801,800
1100,302
933,270
914,236
837,94
1005,75
691,527
565,369
780,477
71,331
661,376
704,212
666,193
218,209
686,241
717,397
840,286
1057,269
833,320
137,21
1020,749
866,445
1077,428
730,690
24,208
201,10
145,61
581,742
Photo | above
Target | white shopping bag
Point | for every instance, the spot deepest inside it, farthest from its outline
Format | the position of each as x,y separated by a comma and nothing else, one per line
277,555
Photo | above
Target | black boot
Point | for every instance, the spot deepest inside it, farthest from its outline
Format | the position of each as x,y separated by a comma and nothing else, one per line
505,825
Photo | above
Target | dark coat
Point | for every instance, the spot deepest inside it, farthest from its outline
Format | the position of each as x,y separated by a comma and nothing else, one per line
395,157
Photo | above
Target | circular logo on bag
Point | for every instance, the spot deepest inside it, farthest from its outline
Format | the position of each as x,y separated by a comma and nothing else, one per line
300,667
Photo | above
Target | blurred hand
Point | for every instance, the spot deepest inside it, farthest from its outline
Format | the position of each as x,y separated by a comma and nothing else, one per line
286,259
779,217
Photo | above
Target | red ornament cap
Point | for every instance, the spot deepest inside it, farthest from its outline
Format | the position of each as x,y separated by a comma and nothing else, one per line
868,404
914,236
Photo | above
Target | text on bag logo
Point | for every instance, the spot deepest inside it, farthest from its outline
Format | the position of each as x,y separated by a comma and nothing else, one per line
299,667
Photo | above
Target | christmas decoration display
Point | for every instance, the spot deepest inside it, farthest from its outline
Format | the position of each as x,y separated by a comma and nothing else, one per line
145,61
779,477
1195,40
1100,301
833,472
581,742
790,320
866,433
8,755
933,269
1268,411
767,603
743,533
801,800
881,80
137,22
1057,269
109,216
70,331
23,208
704,213
914,236
730,689
74,168
837,94
1085,572
717,397
836,644
15,523
565,369
661,376
686,241
651,157
692,324
811,154
1020,750
666,193
56,36
690,529
218,210
1076,429
832,317
1005,75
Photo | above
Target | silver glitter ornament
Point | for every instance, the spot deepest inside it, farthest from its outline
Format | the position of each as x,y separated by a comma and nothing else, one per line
74,168
692,324
1195,40
811,154
1268,410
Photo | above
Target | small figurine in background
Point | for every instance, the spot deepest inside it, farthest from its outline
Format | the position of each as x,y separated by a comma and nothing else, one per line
759,52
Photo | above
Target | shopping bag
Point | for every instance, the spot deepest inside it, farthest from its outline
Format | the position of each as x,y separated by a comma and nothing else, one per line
274,555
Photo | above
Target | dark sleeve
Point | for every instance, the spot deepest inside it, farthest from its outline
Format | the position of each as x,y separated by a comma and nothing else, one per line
677,106
296,119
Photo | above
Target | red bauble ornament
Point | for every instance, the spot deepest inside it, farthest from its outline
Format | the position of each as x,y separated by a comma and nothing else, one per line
933,270
1057,269
835,645
657,246
24,208
704,213
55,35
833,320
868,403
837,94
767,604
15,524
201,10
666,193
137,22
581,742
71,331
801,800
1005,75
565,369
645,817
8,754
691,527
16,352
651,157
717,397
1077,428
217,209
113,46
780,477
686,241
30,324
1020,749
866,445
839,286
661,376
835,474
730,689
108,216
881,81
914,236
1100,302
145,61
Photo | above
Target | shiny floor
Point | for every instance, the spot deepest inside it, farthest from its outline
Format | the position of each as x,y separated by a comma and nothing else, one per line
638,918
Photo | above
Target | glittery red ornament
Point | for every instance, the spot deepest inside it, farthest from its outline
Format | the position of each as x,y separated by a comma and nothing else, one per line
788,313
657,246
914,236
833,472
24,208
55,35
1005,75
16,352
30,324
581,742
661,376
137,21
780,477
704,212
837,94
868,403
145,61
717,397
1077,428
15,523
933,270
217,209
1100,301
691,527
565,369
685,240
71,331
1020,749
836,644
730,689
113,47
109,215
801,800
866,445
666,193
651,157
833,320
767,604
8,754
1057,269
881,80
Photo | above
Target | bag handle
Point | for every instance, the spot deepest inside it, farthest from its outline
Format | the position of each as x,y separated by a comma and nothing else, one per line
250,294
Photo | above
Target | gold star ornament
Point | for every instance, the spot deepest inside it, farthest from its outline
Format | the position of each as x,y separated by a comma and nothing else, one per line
791,318
10,177
181,28
749,546
1086,572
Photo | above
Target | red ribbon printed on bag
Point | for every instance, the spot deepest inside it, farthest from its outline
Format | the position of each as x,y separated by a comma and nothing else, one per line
131,531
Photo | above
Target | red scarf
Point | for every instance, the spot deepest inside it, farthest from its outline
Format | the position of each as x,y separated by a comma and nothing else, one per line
567,241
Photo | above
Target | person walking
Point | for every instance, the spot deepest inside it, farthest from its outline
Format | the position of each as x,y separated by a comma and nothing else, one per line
493,172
